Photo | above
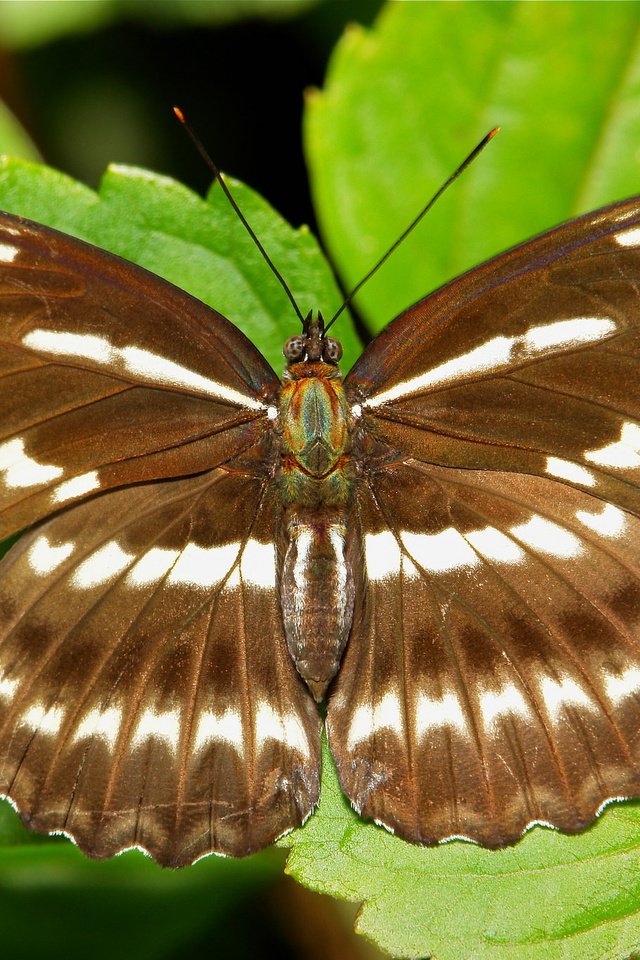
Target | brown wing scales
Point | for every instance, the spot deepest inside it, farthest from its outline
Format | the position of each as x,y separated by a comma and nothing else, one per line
109,375
147,696
495,680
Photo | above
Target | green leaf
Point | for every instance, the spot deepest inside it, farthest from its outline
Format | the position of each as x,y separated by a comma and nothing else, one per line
14,139
197,244
405,102
549,897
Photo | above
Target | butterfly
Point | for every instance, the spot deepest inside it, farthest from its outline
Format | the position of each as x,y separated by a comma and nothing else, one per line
444,545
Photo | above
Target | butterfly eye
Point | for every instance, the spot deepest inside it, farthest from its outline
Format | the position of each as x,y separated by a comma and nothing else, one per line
294,348
332,350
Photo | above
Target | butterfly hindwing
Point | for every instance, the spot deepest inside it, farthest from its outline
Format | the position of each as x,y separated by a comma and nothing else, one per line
146,693
495,678
110,375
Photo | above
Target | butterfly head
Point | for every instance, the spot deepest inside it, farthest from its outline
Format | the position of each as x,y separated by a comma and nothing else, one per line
311,345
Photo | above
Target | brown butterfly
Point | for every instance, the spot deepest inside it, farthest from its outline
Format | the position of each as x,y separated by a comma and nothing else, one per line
447,544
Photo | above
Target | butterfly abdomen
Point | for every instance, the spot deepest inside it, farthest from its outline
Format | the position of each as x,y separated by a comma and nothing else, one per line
316,593
316,581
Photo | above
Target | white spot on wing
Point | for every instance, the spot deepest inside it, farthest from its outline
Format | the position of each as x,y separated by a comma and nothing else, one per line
143,364
76,487
560,693
44,558
21,470
623,685
361,726
568,333
499,352
436,712
163,725
85,345
287,728
370,718
566,470
258,564
220,727
439,552
103,724
152,567
152,366
8,687
493,544
489,356
508,701
8,252
382,555
409,569
387,713
628,238
204,566
42,720
103,565
609,521
548,537
233,580
623,453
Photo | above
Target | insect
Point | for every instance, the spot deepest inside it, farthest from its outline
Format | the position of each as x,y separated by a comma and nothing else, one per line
445,545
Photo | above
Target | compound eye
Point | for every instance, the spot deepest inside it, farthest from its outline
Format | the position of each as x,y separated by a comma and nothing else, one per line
294,348
332,350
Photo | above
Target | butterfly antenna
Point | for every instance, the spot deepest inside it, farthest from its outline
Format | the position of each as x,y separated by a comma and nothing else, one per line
414,223
243,220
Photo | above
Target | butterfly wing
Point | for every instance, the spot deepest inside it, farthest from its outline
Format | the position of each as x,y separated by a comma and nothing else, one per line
494,680
528,363
147,696
110,375
493,677
146,693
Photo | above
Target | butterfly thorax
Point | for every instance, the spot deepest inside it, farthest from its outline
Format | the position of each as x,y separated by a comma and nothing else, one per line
315,429
316,587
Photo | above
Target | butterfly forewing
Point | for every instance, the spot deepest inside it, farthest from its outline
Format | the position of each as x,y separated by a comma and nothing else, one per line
528,363
147,697
109,375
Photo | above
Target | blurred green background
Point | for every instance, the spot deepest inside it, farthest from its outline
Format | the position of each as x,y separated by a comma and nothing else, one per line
93,82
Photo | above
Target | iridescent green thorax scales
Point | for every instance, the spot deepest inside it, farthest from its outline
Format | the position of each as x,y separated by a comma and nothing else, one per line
315,435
